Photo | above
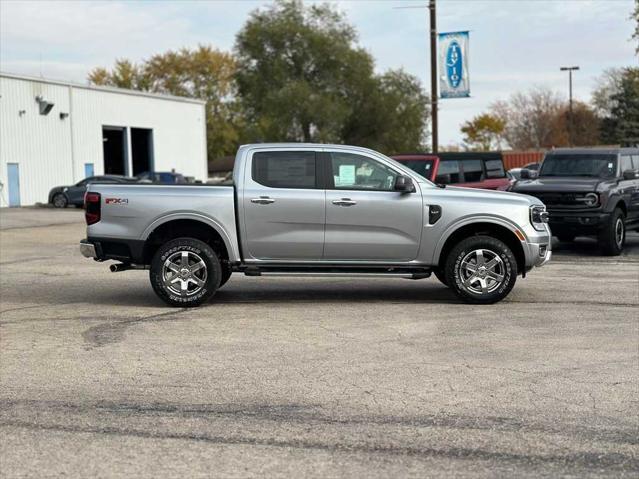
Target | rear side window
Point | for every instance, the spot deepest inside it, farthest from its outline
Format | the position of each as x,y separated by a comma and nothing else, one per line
494,169
285,169
448,172
473,171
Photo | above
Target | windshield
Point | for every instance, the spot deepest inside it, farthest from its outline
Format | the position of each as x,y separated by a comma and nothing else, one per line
591,165
422,167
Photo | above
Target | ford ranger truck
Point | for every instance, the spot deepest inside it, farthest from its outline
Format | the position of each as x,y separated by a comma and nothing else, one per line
322,210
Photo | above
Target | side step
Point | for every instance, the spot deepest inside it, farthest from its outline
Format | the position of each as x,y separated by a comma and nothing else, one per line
333,272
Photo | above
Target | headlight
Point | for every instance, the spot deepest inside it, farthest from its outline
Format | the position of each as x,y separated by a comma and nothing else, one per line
538,216
591,199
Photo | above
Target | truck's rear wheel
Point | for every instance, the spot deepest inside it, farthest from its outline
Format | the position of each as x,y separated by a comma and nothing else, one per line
613,235
481,269
185,272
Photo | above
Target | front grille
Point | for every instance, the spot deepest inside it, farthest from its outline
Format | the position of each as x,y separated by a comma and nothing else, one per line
562,200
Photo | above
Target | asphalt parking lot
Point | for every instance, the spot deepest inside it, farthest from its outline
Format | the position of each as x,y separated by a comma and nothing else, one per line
312,377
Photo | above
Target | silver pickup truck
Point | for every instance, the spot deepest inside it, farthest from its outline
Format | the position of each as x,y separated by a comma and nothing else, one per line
323,210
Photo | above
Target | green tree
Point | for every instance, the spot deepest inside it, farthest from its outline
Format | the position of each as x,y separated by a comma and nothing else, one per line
391,114
204,73
302,77
621,125
484,132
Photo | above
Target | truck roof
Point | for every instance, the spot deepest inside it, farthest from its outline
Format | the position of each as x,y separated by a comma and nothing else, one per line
588,151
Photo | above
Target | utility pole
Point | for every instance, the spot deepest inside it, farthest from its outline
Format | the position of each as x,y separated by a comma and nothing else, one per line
570,121
433,75
433,70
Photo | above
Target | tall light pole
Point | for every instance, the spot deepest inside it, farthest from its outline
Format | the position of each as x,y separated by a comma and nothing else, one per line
433,75
570,123
433,70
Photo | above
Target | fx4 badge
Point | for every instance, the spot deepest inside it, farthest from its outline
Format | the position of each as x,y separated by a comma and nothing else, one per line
116,201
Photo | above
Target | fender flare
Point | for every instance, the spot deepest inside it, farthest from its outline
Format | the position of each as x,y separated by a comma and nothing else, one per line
468,220
219,229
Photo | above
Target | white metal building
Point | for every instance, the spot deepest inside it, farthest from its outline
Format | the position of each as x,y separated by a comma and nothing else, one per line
57,133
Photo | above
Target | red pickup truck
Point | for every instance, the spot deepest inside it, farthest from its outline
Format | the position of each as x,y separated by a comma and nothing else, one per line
469,169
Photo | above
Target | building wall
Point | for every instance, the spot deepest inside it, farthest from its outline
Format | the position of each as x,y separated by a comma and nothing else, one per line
52,151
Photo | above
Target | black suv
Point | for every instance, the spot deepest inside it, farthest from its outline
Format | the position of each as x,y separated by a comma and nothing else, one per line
590,192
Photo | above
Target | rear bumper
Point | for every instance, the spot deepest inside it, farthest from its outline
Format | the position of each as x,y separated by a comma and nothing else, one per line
88,249
101,249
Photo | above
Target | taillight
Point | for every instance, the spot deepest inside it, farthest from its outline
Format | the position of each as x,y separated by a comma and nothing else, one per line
91,207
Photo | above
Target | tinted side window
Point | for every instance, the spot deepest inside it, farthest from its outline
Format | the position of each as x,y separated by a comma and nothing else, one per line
626,163
494,169
448,172
285,169
473,171
357,172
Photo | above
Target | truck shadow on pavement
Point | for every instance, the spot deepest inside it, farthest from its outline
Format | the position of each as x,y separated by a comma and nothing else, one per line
588,247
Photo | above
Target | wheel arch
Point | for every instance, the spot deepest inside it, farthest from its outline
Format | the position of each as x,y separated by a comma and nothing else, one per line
488,226
188,225
621,204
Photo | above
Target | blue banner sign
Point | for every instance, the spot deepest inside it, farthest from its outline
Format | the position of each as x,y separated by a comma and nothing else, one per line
454,81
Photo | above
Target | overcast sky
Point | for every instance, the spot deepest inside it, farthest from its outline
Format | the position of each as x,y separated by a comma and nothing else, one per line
514,44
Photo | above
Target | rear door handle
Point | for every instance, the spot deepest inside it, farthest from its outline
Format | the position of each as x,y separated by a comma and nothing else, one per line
263,200
344,202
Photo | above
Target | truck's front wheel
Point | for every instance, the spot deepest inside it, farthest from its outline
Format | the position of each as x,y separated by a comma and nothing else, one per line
613,235
185,272
481,269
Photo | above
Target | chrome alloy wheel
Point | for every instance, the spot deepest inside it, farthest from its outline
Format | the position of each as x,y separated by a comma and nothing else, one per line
482,271
184,273
619,232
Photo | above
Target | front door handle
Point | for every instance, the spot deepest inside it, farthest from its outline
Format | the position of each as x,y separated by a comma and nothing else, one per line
263,200
344,202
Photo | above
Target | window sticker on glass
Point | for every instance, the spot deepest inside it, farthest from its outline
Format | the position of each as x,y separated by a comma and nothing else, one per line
346,175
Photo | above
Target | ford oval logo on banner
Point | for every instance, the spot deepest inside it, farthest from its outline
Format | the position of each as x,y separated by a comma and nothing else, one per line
454,80
454,65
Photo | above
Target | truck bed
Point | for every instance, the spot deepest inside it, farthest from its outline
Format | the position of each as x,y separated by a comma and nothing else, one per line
133,212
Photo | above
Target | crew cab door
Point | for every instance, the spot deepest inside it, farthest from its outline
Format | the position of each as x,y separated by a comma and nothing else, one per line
284,207
366,219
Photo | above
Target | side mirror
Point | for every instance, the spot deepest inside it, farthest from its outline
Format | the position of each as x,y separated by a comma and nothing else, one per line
630,175
404,184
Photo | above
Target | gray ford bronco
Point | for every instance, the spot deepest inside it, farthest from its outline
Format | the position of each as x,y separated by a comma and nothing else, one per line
589,192
322,210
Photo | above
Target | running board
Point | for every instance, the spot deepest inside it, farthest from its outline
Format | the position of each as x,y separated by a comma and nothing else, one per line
344,274
333,272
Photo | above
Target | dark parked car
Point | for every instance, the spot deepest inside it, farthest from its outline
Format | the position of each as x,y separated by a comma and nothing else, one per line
63,196
591,192
162,177
469,169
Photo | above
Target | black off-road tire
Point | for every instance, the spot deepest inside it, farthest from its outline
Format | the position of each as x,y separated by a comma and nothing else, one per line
441,276
609,241
492,248
194,249
60,200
